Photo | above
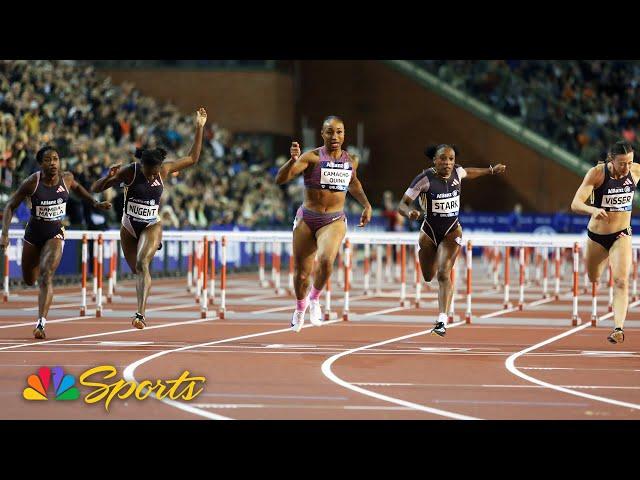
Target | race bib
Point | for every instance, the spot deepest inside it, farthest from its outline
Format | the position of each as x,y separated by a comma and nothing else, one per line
335,178
448,207
618,202
51,212
142,212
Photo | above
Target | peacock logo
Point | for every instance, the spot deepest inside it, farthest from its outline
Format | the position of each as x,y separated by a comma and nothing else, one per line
62,385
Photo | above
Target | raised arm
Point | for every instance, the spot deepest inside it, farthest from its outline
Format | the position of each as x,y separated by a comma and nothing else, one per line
82,192
194,155
25,190
295,166
357,192
592,180
114,176
481,172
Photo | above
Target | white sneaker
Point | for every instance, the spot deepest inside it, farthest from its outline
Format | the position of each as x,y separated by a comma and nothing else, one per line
315,313
297,321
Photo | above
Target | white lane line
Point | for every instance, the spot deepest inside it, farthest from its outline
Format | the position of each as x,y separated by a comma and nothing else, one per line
510,365
87,317
292,307
260,297
388,310
326,370
129,371
499,312
102,334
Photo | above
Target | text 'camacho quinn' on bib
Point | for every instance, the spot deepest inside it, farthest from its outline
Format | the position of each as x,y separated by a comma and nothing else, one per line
335,176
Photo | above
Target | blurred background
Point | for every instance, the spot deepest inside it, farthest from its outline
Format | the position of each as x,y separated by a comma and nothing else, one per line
548,121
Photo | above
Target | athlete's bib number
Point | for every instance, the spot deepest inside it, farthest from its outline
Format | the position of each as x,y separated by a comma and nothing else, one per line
618,201
51,212
335,178
142,212
448,207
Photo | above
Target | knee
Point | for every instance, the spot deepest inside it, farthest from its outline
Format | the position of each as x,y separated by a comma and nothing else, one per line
325,262
443,275
46,277
142,266
620,283
301,275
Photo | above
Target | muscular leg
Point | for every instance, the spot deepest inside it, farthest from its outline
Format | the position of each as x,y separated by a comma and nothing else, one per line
148,243
328,240
129,248
304,248
427,256
447,252
596,257
49,261
30,263
620,256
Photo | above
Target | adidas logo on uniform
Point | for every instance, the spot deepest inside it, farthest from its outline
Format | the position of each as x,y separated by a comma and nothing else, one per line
455,182
60,189
628,181
155,183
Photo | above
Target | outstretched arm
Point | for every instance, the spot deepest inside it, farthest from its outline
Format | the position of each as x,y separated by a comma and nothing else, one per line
480,172
82,192
194,155
114,177
357,192
25,190
591,180
295,166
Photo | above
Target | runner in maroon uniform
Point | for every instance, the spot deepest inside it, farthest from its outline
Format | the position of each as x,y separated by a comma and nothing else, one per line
141,232
438,189
48,190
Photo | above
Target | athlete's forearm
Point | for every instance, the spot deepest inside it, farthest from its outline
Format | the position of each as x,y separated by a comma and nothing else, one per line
6,219
100,185
404,209
357,192
477,172
283,175
582,208
196,148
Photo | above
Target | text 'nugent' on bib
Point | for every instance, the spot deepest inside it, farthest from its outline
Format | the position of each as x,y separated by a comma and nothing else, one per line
142,212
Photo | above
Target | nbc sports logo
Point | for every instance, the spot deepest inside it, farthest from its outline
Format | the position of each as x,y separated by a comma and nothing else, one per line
63,388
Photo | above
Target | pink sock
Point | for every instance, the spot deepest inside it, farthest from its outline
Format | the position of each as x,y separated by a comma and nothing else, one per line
301,305
315,294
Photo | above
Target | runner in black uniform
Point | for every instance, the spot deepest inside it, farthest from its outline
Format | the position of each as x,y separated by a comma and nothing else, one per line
438,189
612,185
141,232
48,190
